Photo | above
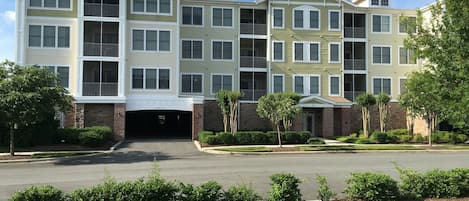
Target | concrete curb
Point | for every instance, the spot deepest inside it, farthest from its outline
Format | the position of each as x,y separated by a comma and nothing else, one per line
111,149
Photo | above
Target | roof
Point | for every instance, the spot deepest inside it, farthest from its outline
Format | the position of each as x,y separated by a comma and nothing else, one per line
324,102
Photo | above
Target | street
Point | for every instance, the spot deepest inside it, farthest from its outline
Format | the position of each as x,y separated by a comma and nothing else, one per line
179,160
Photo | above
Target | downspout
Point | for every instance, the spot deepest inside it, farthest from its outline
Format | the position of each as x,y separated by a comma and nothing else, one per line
269,48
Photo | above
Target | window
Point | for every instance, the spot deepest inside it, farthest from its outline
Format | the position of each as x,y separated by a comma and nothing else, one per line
222,82
151,40
380,2
222,17
277,83
152,6
381,55
49,36
381,23
334,52
406,56
307,84
306,52
222,50
334,20
278,51
407,24
150,78
192,15
62,72
191,83
402,87
306,18
381,85
334,85
57,4
278,18
192,49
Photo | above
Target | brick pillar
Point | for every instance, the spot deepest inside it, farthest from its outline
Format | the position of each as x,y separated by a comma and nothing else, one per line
197,120
69,117
79,115
327,122
346,121
119,121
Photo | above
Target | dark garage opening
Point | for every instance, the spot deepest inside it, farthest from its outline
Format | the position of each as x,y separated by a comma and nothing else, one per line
158,124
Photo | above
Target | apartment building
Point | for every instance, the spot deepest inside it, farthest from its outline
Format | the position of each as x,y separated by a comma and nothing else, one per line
152,67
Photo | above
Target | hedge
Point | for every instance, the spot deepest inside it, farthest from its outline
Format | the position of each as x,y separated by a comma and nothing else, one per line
254,138
90,136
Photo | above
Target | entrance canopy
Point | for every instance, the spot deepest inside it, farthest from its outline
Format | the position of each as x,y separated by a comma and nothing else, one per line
324,102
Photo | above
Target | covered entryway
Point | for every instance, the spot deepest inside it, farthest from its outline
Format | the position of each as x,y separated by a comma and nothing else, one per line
158,124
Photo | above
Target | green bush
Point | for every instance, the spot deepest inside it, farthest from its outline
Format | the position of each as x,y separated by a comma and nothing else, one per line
292,137
209,191
379,137
325,193
314,140
41,193
405,138
364,141
241,193
461,138
213,140
262,138
243,137
418,138
69,135
398,132
226,138
284,187
91,138
372,187
348,139
104,131
443,137
304,136
202,136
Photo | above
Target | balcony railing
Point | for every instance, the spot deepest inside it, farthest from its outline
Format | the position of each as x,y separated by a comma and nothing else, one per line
99,88
351,95
252,62
253,94
101,49
101,10
252,28
354,64
354,32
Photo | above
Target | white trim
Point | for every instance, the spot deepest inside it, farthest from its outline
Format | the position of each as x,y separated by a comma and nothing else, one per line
100,99
381,46
408,57
145,42
221,74
306,3
192,53
283,18
192,93
380,4
273,80
330,85
232,17
380,23
139,22
192,25
306,52
70,31
306,18
144,87
50,8
151,13
329,20
273,50
338,53
382,79
307,84
249,69
222,41
161,102
399,92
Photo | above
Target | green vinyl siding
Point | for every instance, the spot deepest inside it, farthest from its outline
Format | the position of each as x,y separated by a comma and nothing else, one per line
153,17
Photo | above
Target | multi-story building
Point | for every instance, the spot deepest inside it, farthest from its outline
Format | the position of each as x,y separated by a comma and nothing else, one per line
154,66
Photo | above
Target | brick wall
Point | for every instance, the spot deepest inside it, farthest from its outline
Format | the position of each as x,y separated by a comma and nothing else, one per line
396,117
249,120
197,120
213,119
99,115
119,121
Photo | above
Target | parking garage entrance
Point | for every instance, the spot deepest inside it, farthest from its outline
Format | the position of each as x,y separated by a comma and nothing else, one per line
158,124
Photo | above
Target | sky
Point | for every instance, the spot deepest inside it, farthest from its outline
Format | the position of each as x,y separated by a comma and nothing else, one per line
7,23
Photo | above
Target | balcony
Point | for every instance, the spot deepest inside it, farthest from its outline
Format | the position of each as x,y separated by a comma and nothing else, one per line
354,64
251,28
101,49
253,94
354,32
253,85
253,62
100,88
101,10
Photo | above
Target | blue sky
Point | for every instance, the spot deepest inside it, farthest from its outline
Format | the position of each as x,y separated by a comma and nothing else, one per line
7,23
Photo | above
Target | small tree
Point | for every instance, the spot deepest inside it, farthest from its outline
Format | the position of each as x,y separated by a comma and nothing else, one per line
382,101
366,100
275,108
233,102
288,120
223,103
28,95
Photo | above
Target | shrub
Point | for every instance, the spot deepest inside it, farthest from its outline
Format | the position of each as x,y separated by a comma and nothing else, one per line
314,140
241,193
226,138
348,139
213,140
461,138
69,135
284,187
398,132
41,193
91,138
304,136
262,138
292,137
325,193
442,137
209,191
364,141
203,136
379,137
372,187
418,138
104,131
405,138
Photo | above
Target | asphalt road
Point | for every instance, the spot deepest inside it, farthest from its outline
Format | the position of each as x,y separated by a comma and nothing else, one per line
179,160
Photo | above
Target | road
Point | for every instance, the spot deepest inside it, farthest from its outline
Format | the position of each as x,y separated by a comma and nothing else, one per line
178,160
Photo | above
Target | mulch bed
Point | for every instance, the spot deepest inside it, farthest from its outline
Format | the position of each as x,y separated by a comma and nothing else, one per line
8,157
278,149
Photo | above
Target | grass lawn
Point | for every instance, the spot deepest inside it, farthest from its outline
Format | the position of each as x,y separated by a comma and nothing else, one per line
359,147
452,147
246,149
59,154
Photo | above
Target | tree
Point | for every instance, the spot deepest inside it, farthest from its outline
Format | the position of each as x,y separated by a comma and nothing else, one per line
442,42
382,101
422,98
28,95
233,101
276,108
222,100
366,100
287,121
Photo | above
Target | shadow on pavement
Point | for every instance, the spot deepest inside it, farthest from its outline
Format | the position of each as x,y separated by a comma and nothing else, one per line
114,158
